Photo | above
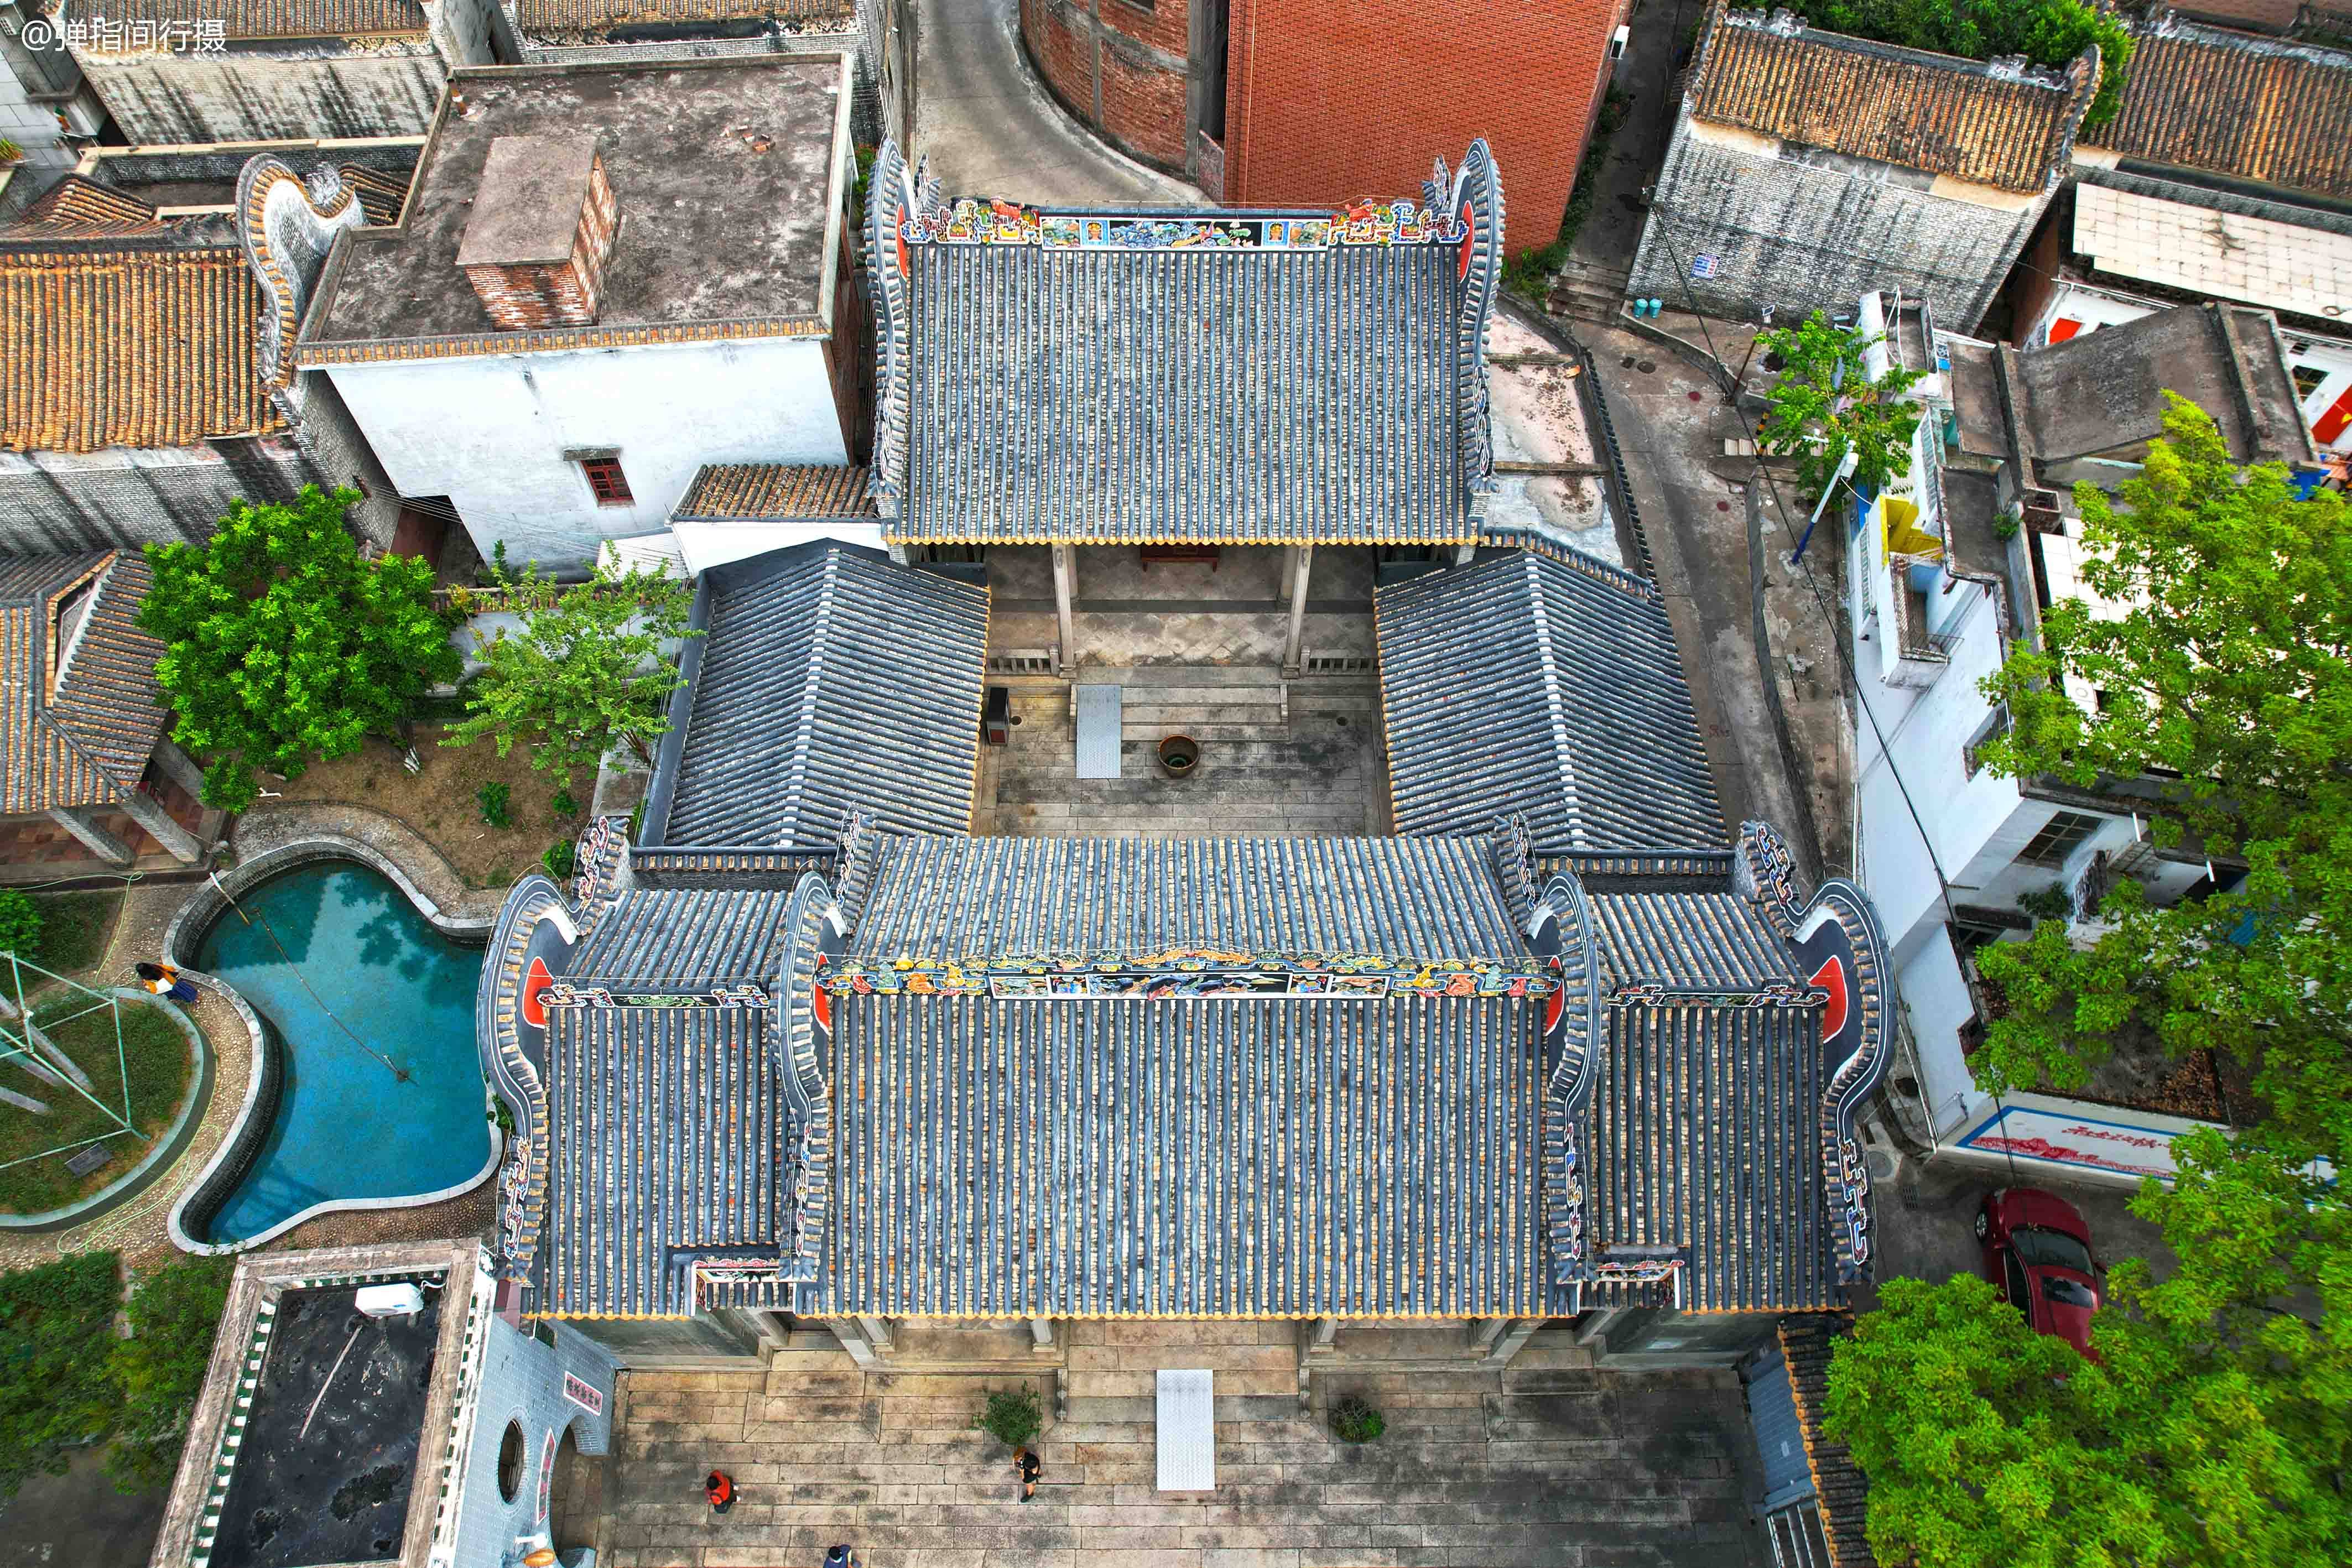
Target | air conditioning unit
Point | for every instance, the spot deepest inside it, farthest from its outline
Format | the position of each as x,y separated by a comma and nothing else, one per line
389,1301
1618,41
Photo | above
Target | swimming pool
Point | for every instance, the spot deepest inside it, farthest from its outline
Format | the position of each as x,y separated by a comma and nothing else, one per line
380,1095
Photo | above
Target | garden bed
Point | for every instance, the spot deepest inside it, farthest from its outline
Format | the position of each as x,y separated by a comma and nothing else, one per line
155,1051
443,800
75,929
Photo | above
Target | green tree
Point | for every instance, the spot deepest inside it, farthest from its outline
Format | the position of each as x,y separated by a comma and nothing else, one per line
283,644
1823,403
20,922
2050,32
2226,684
175,1313
56,1390
2213,1432
587,670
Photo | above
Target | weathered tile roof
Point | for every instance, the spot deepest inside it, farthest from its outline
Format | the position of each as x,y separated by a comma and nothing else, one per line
1545,687
729,492
266,18
1696,939
78,207
1843,1492
940,898
829,677
79,707
1934,113
673,1136
381,191
682,938
571,17
1203,375
113,344
2233,103
1246,1159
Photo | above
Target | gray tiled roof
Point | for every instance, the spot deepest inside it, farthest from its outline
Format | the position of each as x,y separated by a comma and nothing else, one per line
1532,685
81,712
663,938
829,677
1179,390
951,898
1692,940
1249,1158
671,1132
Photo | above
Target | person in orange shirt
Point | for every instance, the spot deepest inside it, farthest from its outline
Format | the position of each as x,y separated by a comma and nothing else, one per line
719,1487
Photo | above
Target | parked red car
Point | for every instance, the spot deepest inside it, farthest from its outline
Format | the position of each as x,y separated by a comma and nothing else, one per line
2037,1253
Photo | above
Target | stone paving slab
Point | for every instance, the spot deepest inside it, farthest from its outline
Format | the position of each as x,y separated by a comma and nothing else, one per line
1549,1467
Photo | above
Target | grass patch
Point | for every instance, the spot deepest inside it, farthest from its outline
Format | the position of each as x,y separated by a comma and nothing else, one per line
160,1064
1530,272
75,928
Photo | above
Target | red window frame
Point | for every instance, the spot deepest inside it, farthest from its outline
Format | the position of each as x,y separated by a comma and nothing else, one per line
606,478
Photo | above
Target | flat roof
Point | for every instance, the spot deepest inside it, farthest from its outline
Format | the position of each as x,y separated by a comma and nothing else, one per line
329,1460
723,172
2206,252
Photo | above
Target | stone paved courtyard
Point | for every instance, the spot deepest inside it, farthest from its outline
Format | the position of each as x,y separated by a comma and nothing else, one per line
1545,1462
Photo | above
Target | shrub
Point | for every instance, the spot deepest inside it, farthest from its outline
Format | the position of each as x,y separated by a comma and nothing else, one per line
2052,903
175,1313
55,1324
1354,1420
501,1115
563,804
495,799
20,922
2047,32
1011,1416
559,859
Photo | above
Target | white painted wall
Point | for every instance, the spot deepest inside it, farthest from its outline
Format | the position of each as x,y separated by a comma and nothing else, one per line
489,433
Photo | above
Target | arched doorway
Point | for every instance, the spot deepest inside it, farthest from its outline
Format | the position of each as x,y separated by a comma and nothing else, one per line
575,1498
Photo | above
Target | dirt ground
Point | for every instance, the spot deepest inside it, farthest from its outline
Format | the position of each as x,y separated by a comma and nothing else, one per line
440,801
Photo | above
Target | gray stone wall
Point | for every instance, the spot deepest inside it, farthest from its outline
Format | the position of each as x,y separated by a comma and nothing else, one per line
523,1382
340,454
309,88
1807,229
52,501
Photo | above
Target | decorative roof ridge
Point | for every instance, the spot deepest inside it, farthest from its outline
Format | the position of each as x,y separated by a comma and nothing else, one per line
1548,662
2167,23
287,226
804,711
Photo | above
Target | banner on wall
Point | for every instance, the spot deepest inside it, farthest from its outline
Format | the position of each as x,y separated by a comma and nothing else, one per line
2131,1147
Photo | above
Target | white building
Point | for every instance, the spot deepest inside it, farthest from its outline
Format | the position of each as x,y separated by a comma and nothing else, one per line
607,276
1954,856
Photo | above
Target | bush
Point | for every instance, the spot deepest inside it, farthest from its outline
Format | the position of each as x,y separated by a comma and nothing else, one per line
501,1115
2048,32
563,804
496,802
559,859
1011,1416
20,922
175,1313
1354,1420
2052,903
56,1323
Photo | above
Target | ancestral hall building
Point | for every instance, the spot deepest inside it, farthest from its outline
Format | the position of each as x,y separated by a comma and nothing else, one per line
809,1052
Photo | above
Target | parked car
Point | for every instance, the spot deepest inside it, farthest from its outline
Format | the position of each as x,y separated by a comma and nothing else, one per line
2037,1253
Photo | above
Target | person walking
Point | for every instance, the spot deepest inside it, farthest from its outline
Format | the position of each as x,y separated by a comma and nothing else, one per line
164,981
1028,1467
719,1487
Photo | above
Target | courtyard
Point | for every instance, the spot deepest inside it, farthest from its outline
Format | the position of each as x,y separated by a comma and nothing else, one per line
1545,1461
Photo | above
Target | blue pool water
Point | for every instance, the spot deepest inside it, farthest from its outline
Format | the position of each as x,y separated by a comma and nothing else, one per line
348,1126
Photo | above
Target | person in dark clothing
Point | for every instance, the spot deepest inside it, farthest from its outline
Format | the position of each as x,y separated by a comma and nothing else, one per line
1028,1467
164,981
719,1487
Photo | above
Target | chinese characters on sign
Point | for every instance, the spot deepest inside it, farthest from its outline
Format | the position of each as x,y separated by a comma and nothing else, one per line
104,34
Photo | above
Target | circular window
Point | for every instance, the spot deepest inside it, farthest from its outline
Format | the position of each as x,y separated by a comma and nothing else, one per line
510,1461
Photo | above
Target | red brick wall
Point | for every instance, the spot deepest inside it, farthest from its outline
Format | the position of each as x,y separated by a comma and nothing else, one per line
1326,102
1143,53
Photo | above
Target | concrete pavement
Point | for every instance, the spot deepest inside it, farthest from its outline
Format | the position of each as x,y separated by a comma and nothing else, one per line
990,128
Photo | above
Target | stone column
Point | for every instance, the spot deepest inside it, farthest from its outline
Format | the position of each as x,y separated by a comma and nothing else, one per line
83,823
179,767
876,1331
1325,1336
1293,644
1065,590
1507,1345
149,813
1041,1336
1463,552
853,1340
1595,1323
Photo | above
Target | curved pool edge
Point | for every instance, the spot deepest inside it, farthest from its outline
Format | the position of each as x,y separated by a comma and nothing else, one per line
155,1165
229,1161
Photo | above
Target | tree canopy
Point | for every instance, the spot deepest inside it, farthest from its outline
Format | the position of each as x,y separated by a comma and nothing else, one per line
57,1324
160,1369
1823,403
2048,32
2227,682
587,671
284,645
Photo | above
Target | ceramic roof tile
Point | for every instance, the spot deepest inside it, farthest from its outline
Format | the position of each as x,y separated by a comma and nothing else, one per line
829,678
2233,103
79,707
119,345
1844,1493
566,17
665,938
729,492
79,208
1543,687
1906,107
381,191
